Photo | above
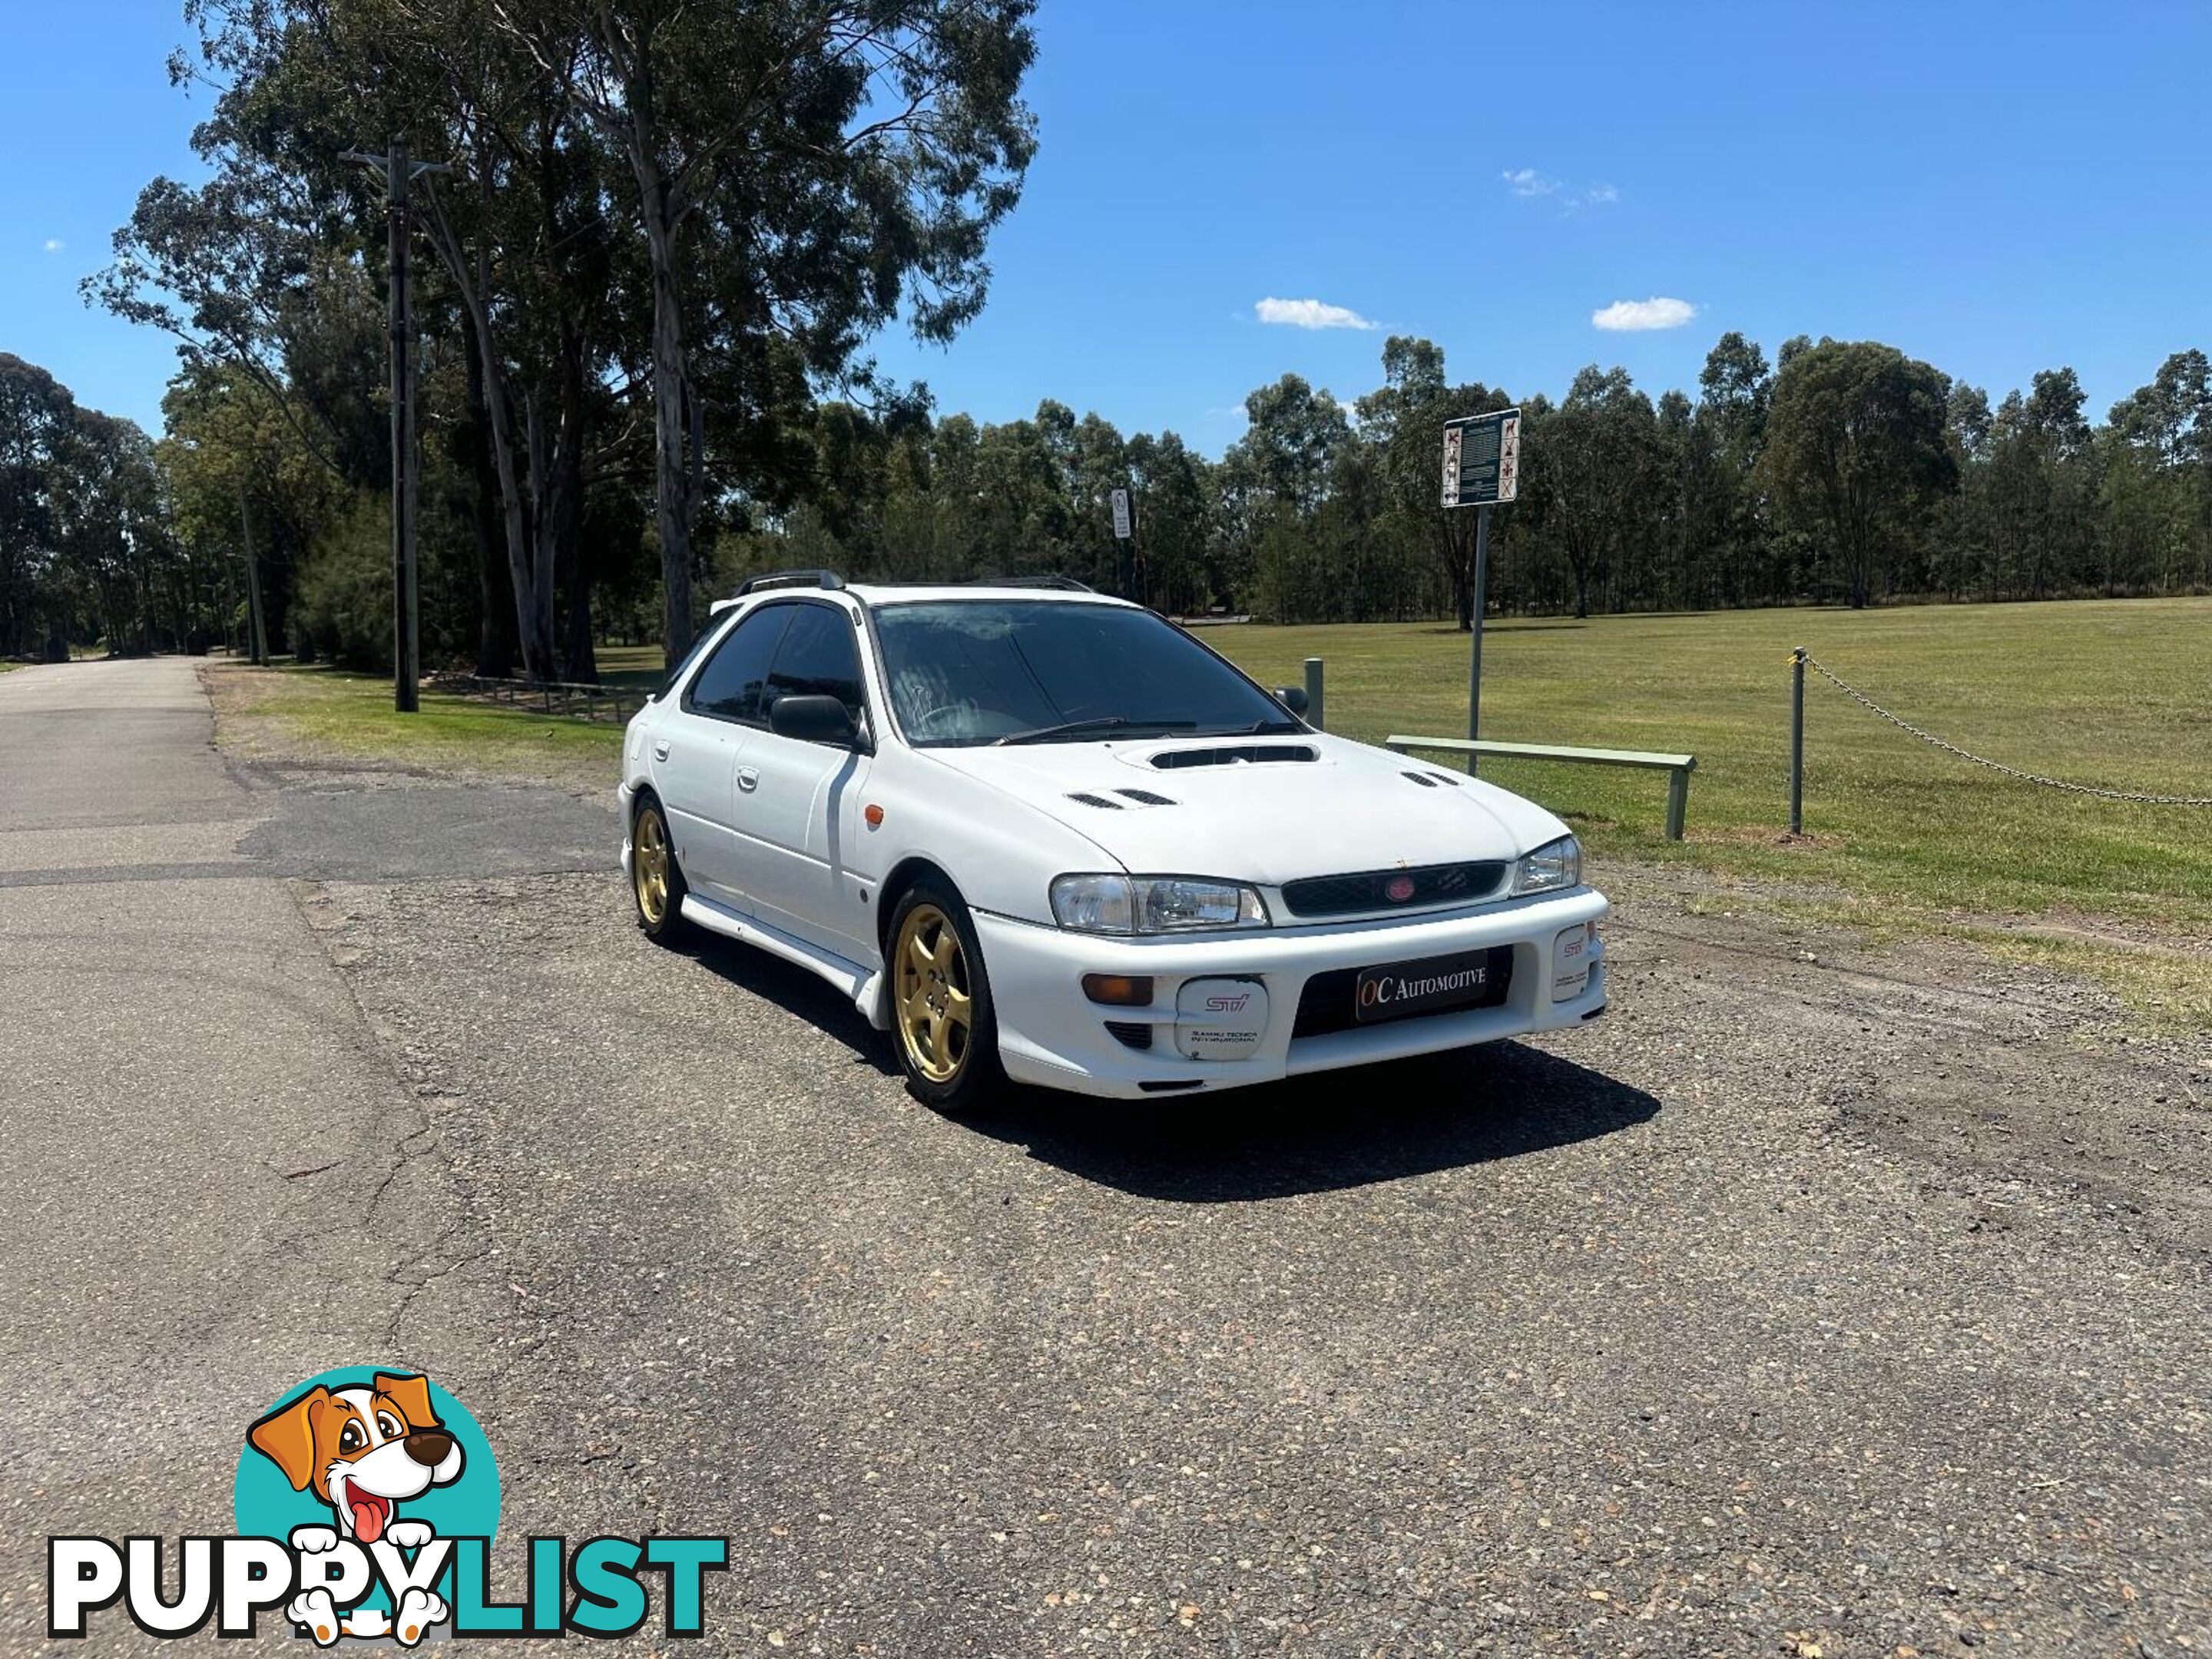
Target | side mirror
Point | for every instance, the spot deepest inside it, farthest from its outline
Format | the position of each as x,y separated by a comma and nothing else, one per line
813,719
1292,697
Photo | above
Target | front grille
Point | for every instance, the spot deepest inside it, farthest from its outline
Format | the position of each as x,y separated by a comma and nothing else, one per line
1433,885
1326,1004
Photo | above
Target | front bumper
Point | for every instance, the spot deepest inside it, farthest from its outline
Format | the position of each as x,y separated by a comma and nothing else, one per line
1050,1033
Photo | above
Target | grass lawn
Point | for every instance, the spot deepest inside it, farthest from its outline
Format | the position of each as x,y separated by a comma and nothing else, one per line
322,711
1901,837
2116,694
639,667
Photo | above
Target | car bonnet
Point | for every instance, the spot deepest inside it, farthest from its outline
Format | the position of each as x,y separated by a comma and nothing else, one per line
1221,807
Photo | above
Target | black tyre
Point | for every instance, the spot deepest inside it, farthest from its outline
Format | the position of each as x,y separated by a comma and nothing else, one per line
656,880
943,1024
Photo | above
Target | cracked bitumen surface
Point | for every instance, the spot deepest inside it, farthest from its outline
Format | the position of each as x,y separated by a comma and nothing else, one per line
1813,1302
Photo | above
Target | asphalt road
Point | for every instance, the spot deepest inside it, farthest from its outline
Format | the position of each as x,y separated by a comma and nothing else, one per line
1812,1303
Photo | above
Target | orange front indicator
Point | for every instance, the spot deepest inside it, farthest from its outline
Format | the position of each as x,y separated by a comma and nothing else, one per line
1119,990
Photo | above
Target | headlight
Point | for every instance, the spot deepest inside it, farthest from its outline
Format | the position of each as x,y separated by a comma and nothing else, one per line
1551,868
1154,905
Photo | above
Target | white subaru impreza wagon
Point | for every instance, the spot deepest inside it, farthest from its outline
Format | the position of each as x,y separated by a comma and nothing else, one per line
1041,834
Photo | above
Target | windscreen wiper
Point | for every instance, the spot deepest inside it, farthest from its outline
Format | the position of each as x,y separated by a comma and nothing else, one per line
1102,723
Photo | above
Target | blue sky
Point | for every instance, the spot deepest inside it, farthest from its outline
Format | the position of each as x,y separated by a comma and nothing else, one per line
1997,188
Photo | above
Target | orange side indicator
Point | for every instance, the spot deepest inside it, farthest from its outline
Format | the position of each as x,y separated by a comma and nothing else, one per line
874,815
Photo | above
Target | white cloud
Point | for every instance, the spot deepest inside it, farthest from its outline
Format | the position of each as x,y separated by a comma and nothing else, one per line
1530,184
1634,316
54,245
1309,314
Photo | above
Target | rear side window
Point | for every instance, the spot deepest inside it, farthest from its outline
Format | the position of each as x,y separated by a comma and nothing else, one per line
819,656
731,685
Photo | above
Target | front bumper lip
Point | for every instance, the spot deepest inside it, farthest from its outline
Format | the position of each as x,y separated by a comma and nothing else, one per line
1050,1033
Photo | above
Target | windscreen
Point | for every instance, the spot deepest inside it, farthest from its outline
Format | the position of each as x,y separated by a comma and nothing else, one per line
1040,671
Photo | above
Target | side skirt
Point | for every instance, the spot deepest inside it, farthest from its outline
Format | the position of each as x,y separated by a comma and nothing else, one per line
864,985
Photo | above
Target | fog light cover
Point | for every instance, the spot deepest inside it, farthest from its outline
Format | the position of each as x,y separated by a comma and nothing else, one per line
1220,1019
1570,961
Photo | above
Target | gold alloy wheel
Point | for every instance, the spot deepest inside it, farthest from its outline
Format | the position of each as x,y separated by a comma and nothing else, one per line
935,1013
648,866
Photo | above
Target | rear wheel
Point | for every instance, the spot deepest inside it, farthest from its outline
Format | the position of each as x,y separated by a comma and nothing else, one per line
656,881
942,1020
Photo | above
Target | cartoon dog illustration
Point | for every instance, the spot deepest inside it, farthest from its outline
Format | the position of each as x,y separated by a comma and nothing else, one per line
362,1451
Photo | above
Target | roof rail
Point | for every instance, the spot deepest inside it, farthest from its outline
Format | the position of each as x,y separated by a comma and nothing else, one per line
1066,583
825,579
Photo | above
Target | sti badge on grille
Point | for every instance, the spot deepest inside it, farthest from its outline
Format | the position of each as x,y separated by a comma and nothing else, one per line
1398,888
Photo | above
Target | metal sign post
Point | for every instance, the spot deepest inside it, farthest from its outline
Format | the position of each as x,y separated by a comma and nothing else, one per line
1125,534
1482,469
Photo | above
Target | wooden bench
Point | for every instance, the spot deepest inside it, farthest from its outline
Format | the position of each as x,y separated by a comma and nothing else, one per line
1678,766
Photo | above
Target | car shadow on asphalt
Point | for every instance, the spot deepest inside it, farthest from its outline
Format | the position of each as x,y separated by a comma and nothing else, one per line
1321,1133
799,993
1339,1129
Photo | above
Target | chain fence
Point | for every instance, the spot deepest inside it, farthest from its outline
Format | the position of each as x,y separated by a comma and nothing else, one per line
2013,772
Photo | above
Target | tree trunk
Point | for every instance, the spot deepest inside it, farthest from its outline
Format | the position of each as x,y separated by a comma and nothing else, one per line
671,473
561,528
534,598
495,637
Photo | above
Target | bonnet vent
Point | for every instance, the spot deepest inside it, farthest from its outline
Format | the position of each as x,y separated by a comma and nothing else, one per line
1243,754
1090,799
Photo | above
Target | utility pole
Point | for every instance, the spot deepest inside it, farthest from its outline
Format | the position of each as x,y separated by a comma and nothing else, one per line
406,629
257,634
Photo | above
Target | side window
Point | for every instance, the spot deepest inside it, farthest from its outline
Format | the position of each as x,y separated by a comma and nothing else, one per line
730,684
819,656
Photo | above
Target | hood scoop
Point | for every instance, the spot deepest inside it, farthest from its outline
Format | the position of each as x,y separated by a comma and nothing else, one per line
1242,754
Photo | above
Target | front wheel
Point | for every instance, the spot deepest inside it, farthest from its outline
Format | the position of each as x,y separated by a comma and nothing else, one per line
656,881
942,1020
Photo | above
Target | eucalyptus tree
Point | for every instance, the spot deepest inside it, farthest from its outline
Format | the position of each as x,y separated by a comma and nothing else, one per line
1735,388
1591,466
1169,480
249,267
1856,448
1405,419
800,168
37,415
111,527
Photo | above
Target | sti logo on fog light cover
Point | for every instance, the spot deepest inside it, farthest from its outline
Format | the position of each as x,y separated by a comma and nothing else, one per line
366,1501
1571,963
1219,1004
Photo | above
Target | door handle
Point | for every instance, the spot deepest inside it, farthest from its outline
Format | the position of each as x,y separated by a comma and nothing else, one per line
661,749
748,778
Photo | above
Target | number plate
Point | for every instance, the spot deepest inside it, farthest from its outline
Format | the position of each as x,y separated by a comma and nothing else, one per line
1427,987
